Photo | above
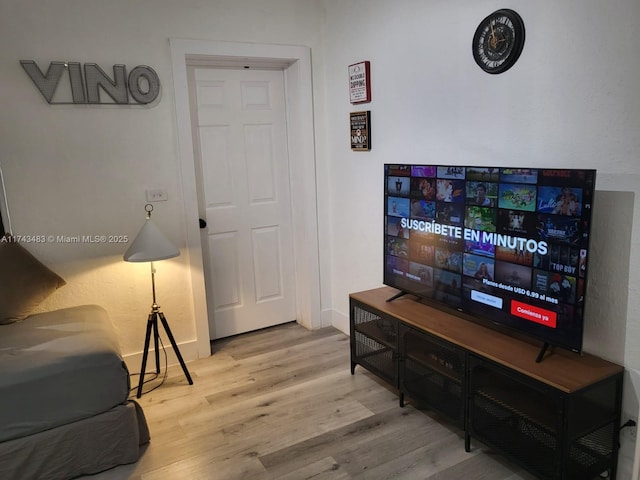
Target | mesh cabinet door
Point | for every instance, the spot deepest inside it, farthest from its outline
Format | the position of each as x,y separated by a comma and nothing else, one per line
374,342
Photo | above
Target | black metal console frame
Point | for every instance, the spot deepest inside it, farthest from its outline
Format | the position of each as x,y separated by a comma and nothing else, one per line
597,443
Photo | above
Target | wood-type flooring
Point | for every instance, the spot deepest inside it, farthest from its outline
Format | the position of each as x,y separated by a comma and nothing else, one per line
281,404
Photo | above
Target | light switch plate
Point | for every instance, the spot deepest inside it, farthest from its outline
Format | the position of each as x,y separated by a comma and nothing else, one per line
157,195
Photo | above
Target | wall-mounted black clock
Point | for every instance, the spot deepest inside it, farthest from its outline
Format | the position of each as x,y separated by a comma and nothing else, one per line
498,41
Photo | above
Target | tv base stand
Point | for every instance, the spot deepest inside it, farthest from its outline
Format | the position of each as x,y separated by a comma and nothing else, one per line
543,350
559,419
397,295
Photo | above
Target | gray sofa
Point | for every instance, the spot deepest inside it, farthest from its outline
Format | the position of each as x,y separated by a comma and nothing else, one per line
64,387
64,408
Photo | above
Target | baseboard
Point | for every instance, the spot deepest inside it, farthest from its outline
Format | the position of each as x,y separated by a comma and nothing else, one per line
340,321
188,350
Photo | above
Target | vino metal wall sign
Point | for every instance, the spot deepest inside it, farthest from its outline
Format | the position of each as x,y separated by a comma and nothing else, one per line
142,84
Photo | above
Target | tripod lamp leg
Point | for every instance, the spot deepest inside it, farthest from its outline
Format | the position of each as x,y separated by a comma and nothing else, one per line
175,347
147,340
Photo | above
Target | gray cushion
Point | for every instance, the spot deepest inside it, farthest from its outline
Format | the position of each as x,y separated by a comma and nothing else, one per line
24,282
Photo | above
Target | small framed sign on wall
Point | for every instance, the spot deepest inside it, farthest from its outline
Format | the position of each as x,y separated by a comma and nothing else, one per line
359,82
360,131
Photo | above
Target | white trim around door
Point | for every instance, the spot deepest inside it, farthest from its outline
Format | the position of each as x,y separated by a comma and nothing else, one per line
296,63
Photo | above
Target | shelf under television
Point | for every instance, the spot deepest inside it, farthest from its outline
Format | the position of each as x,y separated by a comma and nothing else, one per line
373,330
518,402
538,417
431,364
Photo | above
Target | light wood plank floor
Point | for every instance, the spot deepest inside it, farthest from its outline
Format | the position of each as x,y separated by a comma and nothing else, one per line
282,404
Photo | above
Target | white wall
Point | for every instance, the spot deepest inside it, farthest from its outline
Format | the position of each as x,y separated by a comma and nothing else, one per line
571,100
83,170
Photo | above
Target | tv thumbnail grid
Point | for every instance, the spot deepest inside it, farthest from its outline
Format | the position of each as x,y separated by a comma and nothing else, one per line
551,205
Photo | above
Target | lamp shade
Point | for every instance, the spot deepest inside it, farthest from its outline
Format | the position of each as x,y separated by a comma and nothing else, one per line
150,245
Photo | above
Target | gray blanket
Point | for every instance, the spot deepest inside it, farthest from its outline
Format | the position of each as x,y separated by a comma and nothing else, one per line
57,368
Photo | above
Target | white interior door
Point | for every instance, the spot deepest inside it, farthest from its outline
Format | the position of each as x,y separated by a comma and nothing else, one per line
240,136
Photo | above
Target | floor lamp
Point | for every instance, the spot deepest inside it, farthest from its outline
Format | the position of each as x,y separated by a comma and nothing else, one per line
150,245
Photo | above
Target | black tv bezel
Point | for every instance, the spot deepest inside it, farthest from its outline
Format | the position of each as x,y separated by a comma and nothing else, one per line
532,333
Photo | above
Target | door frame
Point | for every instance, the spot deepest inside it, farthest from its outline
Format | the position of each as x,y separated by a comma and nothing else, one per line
296,64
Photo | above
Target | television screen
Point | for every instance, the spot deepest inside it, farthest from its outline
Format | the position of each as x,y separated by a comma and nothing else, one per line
504,245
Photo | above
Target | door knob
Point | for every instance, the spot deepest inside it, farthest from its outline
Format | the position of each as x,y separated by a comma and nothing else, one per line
203,223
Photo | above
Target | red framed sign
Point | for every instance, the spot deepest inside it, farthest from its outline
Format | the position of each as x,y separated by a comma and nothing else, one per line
359,82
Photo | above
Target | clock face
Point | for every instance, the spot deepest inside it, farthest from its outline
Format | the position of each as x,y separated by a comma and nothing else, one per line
498,41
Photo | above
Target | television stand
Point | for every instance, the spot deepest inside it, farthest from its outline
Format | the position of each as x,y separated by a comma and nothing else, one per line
543,350
559,419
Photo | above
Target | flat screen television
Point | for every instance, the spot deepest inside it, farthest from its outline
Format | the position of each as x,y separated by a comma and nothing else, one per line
505,246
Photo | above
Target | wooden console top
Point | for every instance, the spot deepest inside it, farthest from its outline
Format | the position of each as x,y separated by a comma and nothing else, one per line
561,369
